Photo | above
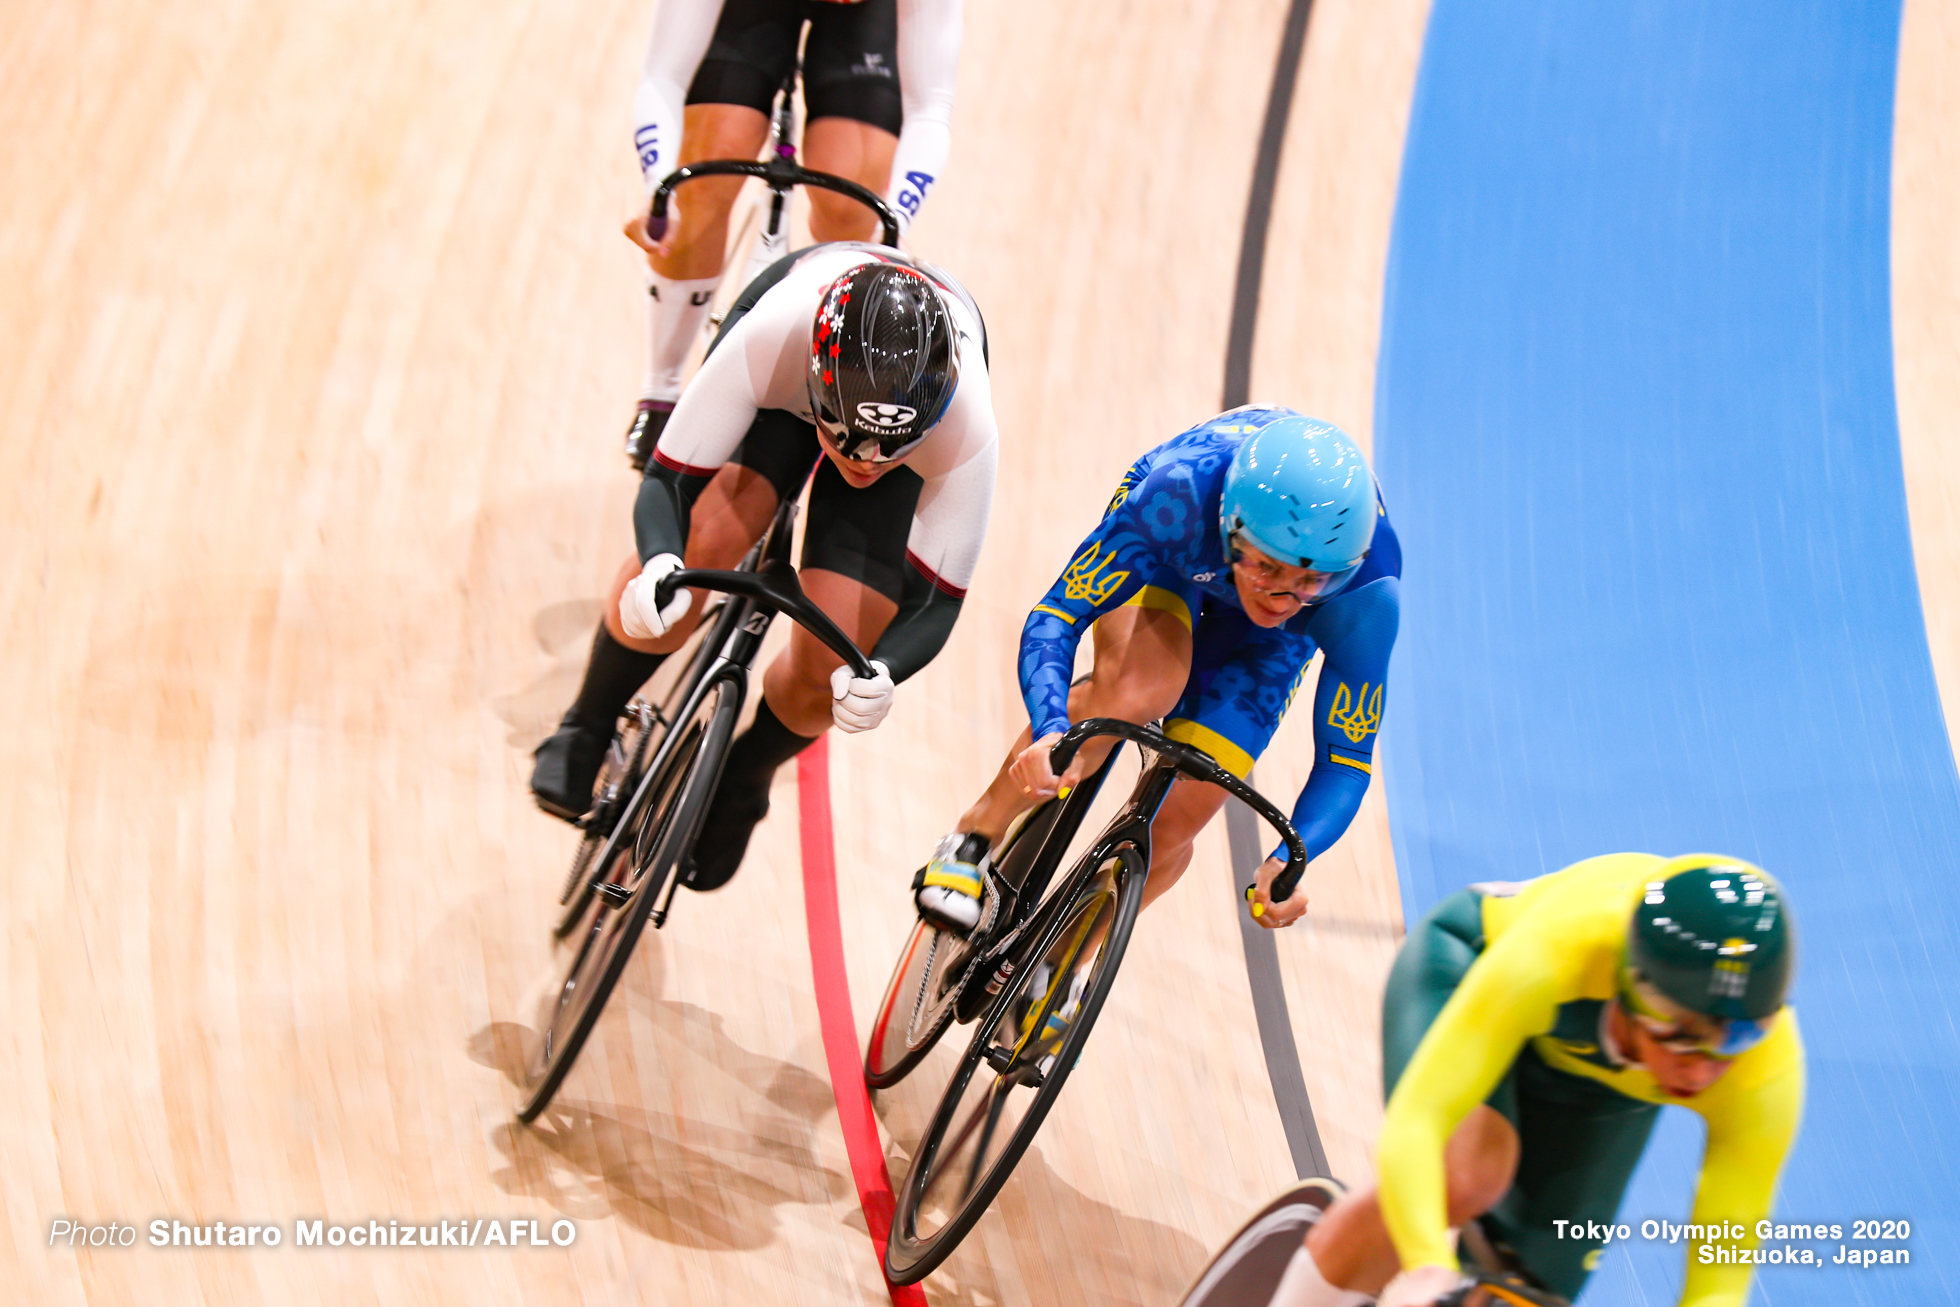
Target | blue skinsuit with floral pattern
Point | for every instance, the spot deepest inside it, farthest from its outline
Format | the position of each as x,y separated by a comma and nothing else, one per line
1158,545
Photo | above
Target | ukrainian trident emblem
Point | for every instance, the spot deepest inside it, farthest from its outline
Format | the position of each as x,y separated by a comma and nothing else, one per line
1357,713
1084,582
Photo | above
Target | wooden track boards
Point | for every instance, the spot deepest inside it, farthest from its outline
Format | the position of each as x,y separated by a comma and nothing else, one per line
318,342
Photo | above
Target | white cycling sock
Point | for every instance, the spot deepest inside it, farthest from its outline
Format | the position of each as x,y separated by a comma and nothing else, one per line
1304,1286
675,312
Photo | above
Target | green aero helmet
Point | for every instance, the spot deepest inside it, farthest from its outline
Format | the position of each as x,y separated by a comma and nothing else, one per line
1712,936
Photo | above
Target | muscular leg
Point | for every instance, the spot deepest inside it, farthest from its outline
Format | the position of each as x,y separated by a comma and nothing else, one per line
1350,1244
797,684
795,709
852,149
699,240
1187,809
1143,659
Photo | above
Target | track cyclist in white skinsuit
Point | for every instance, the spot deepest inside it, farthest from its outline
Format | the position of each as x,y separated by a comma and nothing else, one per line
870,368
878,78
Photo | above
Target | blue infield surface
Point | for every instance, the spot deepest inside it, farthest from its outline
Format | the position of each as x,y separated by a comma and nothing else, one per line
1635,421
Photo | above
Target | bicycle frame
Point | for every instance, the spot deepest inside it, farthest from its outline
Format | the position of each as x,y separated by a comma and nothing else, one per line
1093,907
1182,759
755,596
1165,761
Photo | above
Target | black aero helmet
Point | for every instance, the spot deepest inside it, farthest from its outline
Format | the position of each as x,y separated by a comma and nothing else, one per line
1714,936
884,361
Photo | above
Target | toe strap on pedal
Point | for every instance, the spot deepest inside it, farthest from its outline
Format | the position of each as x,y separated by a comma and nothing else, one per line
956,880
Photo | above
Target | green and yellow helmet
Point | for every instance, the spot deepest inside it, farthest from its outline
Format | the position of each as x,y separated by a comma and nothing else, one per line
1711,937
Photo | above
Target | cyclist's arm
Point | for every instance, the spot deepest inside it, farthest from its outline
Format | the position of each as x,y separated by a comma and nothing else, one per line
737,390
681,32
1108,567
928,67
1510,993
948,527
1751,1125
1356,633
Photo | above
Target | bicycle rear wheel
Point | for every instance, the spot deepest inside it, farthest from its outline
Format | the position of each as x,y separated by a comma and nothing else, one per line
664,825
921,998
1014,1068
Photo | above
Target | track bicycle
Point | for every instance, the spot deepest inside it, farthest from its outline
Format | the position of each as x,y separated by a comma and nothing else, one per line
1034,975
1249,1266
779,174
668,761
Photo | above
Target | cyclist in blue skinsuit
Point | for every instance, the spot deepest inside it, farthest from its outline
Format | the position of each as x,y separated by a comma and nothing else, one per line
1228,555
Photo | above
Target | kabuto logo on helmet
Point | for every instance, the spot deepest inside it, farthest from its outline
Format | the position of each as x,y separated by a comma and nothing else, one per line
888,417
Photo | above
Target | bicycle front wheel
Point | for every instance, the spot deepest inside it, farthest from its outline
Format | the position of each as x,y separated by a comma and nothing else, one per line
1013,1070
663,830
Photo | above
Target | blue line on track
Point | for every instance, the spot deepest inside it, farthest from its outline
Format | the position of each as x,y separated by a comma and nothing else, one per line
1635,409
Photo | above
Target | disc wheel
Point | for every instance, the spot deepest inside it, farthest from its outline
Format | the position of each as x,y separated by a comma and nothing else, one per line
918,1003
1021,1054
663,829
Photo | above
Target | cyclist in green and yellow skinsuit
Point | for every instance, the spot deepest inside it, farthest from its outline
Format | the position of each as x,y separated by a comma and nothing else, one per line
1530,1035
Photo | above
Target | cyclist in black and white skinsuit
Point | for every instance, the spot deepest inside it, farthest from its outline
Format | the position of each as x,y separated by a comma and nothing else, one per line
878,84
871,368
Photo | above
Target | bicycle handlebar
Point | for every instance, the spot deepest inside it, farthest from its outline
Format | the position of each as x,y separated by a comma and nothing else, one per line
773,584
780,174
1199,765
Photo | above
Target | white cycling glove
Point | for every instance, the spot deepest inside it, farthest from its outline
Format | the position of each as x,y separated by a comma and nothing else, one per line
859,704
639,615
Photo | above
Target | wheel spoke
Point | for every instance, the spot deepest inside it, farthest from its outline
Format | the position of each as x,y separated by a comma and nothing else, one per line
996,1104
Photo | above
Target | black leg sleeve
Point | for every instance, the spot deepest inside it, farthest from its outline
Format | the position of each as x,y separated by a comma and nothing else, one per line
613,673
760,750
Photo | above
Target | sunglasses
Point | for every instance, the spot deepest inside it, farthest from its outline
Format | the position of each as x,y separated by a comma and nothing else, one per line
1265,574
1686,1033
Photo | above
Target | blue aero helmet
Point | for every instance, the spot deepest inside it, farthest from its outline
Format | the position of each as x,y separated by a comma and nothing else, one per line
1300,492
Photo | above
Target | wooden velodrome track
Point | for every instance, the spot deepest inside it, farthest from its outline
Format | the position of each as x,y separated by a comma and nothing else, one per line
317,339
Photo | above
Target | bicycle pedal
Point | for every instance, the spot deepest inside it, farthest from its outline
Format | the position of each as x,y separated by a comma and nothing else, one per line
615,895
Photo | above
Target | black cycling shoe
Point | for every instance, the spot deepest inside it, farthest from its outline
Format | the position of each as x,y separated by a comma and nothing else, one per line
725,831
567,768
649,420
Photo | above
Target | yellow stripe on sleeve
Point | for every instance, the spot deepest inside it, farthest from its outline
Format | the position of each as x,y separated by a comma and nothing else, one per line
1168,601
